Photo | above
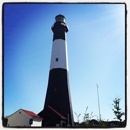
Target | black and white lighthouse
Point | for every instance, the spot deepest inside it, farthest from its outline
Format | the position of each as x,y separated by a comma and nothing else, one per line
57,109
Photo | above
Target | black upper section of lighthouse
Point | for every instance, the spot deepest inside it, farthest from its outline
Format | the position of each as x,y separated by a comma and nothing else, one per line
59,28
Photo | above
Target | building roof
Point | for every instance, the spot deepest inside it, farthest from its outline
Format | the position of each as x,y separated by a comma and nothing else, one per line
30,113
59,114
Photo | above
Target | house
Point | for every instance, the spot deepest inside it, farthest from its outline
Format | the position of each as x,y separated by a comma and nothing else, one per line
24,118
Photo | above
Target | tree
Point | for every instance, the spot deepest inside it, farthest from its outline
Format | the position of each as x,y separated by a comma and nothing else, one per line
117,109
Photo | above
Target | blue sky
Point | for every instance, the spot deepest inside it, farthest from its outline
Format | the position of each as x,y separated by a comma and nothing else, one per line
96,55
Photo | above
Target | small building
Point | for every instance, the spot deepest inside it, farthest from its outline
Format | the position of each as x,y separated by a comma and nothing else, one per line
24,118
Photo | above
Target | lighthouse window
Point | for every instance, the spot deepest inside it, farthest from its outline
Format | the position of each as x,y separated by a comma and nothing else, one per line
56,59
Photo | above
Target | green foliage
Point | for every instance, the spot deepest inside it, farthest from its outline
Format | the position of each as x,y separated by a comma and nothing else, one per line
77,115
82,124
88,121
117,109
87,117
103,123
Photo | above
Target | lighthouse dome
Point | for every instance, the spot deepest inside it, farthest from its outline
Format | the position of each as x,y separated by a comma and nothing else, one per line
60,18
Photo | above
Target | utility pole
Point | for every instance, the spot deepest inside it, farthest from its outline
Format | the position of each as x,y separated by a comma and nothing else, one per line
98,103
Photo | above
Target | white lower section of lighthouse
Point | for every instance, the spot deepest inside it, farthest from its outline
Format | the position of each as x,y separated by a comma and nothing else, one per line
59,58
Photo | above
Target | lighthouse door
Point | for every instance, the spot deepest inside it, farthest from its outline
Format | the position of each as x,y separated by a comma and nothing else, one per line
62,123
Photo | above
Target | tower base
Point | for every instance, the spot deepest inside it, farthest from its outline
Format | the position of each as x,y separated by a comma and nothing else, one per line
53,118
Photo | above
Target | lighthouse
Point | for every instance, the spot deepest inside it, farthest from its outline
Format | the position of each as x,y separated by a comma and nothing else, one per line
57,109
